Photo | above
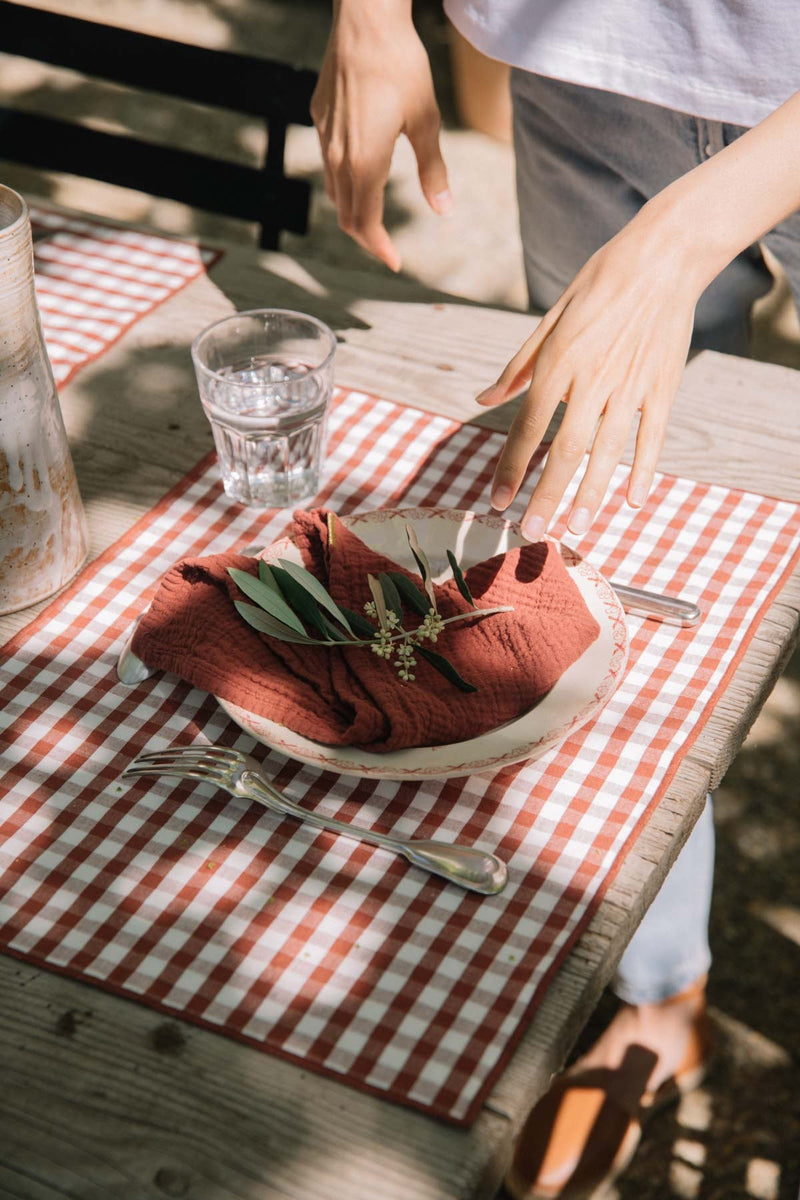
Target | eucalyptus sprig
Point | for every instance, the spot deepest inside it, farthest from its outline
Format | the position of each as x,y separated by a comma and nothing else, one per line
291,605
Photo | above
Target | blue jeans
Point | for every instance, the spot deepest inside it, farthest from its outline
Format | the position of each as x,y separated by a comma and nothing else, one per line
670,948
587,160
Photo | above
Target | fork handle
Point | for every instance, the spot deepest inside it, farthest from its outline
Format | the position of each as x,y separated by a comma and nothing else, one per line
474,869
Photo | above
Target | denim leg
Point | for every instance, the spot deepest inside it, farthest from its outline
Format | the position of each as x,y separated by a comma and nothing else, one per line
586,162
670,948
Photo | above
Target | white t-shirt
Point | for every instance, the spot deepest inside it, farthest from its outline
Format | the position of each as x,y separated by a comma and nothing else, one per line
725,60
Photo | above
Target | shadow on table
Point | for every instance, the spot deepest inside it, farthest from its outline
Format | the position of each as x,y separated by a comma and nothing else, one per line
146,398
202,1111
736,1137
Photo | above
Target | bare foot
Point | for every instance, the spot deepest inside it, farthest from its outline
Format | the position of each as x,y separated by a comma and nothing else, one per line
585,1130
666,1028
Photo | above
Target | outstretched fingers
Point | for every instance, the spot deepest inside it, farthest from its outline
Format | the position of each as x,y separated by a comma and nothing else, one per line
518,372
525,435
563,459
579,431
649,441
368,180
423,134
607,450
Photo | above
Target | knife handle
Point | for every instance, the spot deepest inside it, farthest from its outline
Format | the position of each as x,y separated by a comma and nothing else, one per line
669,609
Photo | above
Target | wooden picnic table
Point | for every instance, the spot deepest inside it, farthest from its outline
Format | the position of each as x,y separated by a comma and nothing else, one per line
103,1097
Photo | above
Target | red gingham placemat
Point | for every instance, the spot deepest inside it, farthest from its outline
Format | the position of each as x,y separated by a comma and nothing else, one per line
94,280
311,946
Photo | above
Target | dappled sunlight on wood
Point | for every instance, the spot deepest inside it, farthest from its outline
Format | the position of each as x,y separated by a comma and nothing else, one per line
695,1110
783,918
763,1179
685,1179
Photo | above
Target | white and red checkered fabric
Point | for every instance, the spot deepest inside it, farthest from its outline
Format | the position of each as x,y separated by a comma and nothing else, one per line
331,952
94,280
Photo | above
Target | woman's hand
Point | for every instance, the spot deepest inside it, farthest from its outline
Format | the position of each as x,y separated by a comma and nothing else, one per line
615,343
613,347
375,83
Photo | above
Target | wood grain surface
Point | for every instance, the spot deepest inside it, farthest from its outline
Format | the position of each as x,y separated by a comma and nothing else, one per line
103,1098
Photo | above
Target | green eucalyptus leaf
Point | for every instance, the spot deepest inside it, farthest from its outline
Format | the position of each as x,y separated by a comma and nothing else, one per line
335,632
458,575
299,600
266,576
266,598
410,593
360,624
444,667
377,596
419,554
264,623
423,564
315,589
391,595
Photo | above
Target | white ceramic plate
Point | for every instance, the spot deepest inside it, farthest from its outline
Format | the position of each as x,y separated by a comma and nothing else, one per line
579,695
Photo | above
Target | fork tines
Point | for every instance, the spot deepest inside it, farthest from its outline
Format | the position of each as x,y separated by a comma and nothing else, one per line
221,754
211,763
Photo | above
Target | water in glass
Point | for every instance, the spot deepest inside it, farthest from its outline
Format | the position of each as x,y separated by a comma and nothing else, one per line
270,439
265,380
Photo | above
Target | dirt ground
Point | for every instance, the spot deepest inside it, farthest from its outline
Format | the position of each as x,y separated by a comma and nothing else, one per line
737,1138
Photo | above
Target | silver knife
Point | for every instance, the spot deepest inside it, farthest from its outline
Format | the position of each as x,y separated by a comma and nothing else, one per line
659,606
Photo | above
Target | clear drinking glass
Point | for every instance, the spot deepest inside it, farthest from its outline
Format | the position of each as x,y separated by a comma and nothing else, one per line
265,379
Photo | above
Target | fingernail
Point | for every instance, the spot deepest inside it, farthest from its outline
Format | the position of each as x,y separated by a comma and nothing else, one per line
533,528
486,394
501,497
637,494
579,520
443,203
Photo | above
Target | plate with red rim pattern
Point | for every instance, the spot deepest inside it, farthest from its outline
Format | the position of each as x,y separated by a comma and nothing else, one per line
580,694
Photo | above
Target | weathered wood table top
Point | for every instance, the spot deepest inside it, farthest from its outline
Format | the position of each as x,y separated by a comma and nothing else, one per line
105,1098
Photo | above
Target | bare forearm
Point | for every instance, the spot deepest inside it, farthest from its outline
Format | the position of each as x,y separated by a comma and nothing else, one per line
727,203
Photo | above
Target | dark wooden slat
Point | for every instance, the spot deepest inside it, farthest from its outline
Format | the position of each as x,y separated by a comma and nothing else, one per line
220,78
275,92
249,193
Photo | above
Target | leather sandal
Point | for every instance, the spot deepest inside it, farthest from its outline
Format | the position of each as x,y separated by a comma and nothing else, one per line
584,1132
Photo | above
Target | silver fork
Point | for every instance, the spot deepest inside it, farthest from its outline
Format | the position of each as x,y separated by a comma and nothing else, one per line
243,776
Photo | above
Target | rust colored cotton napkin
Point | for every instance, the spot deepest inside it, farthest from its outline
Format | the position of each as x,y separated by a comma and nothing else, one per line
350,696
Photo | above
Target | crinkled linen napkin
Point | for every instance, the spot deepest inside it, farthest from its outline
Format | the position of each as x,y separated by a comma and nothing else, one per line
350,696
